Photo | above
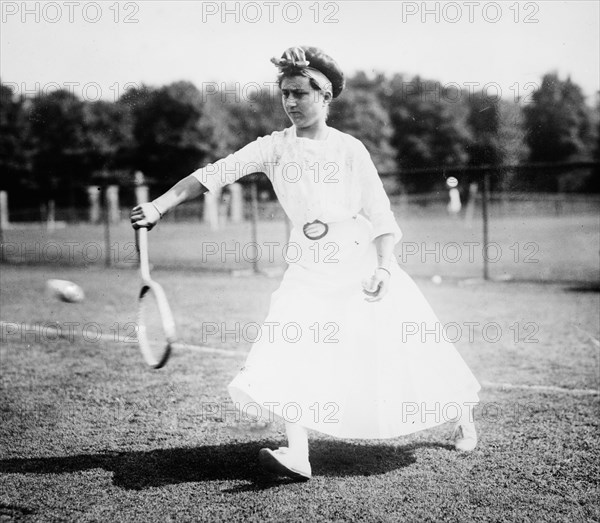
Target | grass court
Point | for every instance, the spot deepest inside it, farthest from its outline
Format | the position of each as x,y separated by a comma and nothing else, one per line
89,433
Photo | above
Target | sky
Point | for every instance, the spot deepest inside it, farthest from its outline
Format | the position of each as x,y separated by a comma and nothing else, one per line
97,49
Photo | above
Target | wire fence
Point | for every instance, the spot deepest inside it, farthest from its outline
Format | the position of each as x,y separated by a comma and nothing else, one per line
490,234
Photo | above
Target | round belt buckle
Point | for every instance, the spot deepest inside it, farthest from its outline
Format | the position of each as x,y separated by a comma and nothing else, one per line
322,229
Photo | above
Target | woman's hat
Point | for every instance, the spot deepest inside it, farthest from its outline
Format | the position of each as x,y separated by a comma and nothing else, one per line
313,63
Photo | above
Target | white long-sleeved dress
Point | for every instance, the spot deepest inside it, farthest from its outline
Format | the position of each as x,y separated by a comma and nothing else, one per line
324,357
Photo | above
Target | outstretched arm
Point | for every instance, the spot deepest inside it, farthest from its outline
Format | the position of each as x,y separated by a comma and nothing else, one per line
208,178
148,214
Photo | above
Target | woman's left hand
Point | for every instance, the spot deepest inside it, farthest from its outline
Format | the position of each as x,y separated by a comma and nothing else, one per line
377,286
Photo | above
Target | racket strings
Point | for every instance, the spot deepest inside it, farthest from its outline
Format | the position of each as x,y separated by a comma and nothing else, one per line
153,338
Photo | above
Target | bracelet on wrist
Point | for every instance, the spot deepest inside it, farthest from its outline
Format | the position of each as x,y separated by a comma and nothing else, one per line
384,269
157,209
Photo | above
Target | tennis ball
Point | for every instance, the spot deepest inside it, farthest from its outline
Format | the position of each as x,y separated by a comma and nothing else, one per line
65,290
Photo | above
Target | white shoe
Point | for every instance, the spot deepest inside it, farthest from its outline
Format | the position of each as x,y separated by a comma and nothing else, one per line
465,436
284,463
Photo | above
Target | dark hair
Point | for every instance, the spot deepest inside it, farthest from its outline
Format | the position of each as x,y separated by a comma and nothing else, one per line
321,62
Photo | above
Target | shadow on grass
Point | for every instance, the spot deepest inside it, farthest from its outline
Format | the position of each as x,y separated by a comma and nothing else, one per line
233,461
14,512
588,287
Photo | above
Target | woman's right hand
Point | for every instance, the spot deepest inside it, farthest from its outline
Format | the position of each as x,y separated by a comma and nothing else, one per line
145,215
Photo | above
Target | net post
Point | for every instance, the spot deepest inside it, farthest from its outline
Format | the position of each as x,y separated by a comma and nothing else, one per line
107,260
254,219
3,220
485,194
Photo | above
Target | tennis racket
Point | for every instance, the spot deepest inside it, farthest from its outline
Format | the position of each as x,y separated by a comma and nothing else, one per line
156,327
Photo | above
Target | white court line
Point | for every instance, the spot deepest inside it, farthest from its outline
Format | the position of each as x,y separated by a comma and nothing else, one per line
52,331
539,388
594,341
209,350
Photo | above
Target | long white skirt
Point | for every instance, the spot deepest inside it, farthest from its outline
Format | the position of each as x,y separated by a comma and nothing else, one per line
333,362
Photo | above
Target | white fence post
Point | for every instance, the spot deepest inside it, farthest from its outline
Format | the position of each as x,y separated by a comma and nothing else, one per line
4,220
211,209
112,201
237,203
94,201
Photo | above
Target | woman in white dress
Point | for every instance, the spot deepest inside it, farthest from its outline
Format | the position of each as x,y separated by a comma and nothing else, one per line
350,347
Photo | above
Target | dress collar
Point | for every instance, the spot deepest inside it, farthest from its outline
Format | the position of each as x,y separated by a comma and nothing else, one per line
295,135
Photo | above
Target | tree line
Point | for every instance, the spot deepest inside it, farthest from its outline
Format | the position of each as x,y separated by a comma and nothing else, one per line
54,144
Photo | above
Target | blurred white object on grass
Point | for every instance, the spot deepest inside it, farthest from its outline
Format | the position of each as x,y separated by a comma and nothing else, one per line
65,290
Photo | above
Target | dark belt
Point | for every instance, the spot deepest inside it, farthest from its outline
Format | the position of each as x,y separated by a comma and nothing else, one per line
322,227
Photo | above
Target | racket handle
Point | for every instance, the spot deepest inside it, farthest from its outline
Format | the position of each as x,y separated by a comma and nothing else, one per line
143,248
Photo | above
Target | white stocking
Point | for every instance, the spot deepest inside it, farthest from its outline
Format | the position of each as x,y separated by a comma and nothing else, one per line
466,415
297,439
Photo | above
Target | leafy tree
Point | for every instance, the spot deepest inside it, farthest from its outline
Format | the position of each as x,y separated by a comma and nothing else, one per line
58,140
254,115
430,128
484,122
108,136
246,118
215,122
498,139
15,157
359,112
596,138
170,139
511,133
557,122
512,146
595,185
